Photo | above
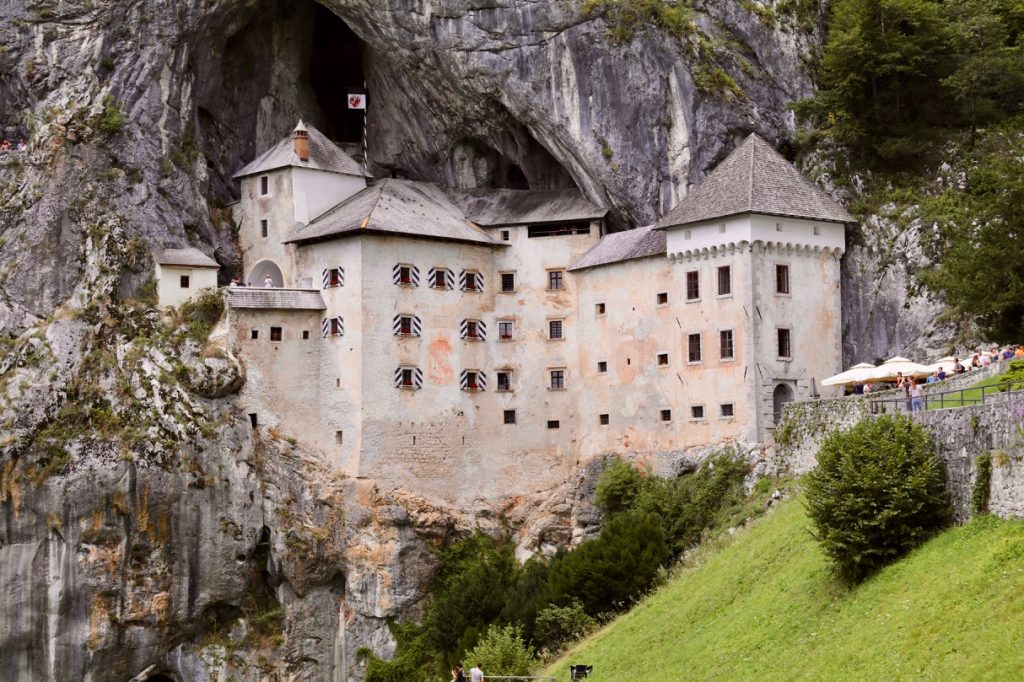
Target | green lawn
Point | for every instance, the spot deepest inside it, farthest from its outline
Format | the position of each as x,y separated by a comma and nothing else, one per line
764,607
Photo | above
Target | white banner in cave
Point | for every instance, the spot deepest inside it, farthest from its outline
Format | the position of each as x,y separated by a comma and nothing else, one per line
357,100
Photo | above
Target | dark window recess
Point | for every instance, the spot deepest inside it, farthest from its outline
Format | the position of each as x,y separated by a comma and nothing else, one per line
727,410
782,279
184,281
264,185
439,279
254,334
471,330
603,419
504,381
275,333
663,298
406,377
602,366
724,280
305,335
264,229
558,230
662,359
471,382
405,274
697,412
505,235
692,286
725,345
693,347
471,281
557,379
552,423
555,329
508,281
599,308
253,420
785,347
556,279
338,437
666,415
510,416
405,326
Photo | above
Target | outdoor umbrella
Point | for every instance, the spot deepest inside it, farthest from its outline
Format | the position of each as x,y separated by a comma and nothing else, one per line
855,375
888,370
945,363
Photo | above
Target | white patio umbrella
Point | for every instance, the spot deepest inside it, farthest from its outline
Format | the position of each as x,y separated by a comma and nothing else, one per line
945,363
855,375
888,370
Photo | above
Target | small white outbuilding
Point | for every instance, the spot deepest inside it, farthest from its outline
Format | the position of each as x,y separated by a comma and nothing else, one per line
180,273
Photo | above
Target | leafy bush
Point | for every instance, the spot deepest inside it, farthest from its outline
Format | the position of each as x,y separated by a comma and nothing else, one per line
625,17
982,489
111,120
502,651
876,493
618,487
561,625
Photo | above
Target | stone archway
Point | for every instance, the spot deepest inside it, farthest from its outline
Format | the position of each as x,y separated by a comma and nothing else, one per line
261,271
782,394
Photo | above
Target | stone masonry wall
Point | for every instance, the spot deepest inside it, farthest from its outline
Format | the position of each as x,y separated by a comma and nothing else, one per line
961,435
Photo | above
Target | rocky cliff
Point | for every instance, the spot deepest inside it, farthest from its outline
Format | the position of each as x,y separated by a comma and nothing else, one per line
146,531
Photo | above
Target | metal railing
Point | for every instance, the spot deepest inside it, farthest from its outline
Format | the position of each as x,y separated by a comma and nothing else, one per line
964,397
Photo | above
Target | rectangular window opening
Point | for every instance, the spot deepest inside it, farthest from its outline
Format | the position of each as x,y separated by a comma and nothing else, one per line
782,279
727,410
693,348
254,334
505,235
472,332
558,230
305,334
264,185
666,415
275,333
726,349
471,281
508,282
505,328
557,379
692,285
785,344
407,378
404,274
599,308
556,280
504,381
471,381
602,366
552,423
510,416
264,228
724,280
554,330
253,420
338,437
603,419
663,298
662,359
184,281
697,412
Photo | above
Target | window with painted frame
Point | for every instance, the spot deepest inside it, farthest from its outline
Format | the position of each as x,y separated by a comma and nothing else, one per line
726,345
693,349
556,280
504,384
557,377
724,280
693,285
556,330
508,282
505,330
785,344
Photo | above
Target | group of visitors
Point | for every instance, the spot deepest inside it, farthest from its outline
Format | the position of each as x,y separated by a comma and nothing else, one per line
268,282
978,360
17,145
476,674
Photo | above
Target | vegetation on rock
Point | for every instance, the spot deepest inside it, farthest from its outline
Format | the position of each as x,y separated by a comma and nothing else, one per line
877,493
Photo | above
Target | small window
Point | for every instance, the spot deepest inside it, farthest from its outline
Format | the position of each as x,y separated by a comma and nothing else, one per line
253,420
817,229
557,230
726,350
782,279
727,410
264,185
339,437
473,381
472,330
334,277
721,228
440,278
556,280
552,423
693,348
505,236
603,419
724,280
687,234
557,379
692,285
405,325
555,330
275,333
505,328
785,347
407,378
662,359
504,381
508,282
264,228
697,412
602,366
663,298
599,309
778,227
510,416
404,274
184,281
666,415
254,334
472,280
305,335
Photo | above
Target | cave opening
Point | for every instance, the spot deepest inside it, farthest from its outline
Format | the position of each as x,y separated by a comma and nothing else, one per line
335,70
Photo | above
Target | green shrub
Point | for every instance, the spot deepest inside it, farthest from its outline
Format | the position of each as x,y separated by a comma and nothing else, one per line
982,489
561,625
877,492
112,119
502,651
618,487
625,17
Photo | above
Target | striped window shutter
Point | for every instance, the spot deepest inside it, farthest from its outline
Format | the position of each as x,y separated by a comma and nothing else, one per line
414,274
432,277
332,326
417,377
339,326
462,280
341,276
464,329
479,281
396,274
481,330
481,380
326,278
449,279
417,326
396,326
325,327
332,273
464,380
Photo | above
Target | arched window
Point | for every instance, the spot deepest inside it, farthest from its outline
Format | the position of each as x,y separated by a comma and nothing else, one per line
261,271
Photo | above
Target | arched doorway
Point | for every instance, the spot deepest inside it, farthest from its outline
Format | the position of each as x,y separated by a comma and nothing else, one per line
783,394
261,271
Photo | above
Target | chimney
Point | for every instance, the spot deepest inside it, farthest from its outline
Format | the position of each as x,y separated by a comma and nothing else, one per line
300,138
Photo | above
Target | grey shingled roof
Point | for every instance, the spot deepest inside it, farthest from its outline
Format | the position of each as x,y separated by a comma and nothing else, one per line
275,299
406,207
187,258
323,155
496,207
616,247
755,178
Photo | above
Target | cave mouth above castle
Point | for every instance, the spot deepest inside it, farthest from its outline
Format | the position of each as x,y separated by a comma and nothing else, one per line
335,70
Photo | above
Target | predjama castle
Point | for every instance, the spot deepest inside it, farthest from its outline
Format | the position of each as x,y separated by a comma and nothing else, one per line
484,343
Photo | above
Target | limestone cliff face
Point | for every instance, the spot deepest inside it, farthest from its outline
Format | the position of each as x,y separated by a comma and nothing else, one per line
145,529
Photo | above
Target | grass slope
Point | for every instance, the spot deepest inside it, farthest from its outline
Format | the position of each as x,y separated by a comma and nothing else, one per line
764,607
